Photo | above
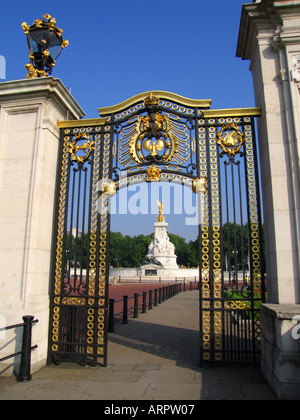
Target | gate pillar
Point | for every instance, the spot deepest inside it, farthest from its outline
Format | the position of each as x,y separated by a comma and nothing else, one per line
29,144
270,37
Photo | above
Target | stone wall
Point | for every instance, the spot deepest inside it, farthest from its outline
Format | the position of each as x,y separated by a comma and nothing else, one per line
29,142
281,349
270,38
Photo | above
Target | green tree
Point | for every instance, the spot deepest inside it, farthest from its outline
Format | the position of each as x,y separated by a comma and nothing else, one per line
115,249
181,249
193,253
127,251
235,245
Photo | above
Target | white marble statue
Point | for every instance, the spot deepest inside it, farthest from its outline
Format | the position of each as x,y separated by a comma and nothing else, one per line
161,248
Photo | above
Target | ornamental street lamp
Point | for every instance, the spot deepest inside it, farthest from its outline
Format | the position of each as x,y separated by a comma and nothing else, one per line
45,43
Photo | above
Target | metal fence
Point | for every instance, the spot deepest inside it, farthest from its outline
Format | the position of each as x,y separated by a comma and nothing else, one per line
24,372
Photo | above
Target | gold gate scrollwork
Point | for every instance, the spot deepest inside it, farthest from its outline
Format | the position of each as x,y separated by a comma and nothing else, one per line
154,138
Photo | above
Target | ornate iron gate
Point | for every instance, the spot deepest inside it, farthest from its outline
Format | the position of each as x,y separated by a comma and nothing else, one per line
159,136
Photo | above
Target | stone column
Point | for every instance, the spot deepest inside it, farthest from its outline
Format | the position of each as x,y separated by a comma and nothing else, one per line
270,38
29,141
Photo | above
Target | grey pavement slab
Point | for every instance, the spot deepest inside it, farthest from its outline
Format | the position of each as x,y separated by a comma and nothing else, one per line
153,357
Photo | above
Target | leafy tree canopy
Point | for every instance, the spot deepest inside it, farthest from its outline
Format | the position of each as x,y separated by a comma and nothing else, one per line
126,251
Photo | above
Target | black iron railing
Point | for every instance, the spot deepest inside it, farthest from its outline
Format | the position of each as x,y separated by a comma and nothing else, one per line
151,279
24,372
143,301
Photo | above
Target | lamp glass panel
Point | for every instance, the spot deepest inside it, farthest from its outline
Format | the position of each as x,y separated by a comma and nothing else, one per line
39,40
54,45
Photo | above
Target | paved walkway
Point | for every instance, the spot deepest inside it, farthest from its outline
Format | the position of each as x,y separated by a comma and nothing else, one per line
154,357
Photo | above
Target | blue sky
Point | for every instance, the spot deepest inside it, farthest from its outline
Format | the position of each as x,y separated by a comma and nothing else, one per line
119,48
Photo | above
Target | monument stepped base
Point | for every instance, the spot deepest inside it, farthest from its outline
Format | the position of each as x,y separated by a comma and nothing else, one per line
163,275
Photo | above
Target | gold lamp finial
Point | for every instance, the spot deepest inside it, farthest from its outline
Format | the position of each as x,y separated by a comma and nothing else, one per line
45,43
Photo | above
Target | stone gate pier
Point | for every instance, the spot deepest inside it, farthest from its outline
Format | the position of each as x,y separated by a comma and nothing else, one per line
29,144
270,38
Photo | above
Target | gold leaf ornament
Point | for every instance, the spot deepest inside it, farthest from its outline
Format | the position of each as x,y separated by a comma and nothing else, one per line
199,185
87,147
230,138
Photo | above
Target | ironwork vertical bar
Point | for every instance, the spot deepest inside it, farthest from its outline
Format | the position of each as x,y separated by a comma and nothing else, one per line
239,335
253,297
251,322
80,167
242,222
50,355
197,151
83,222
111,315
200,231
234,224
259,210
96,274
24,374
69,256
71,214
150,299
110,165
144,302
210,230
125,309
222,257
228,222
259,221
197,141
136,305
